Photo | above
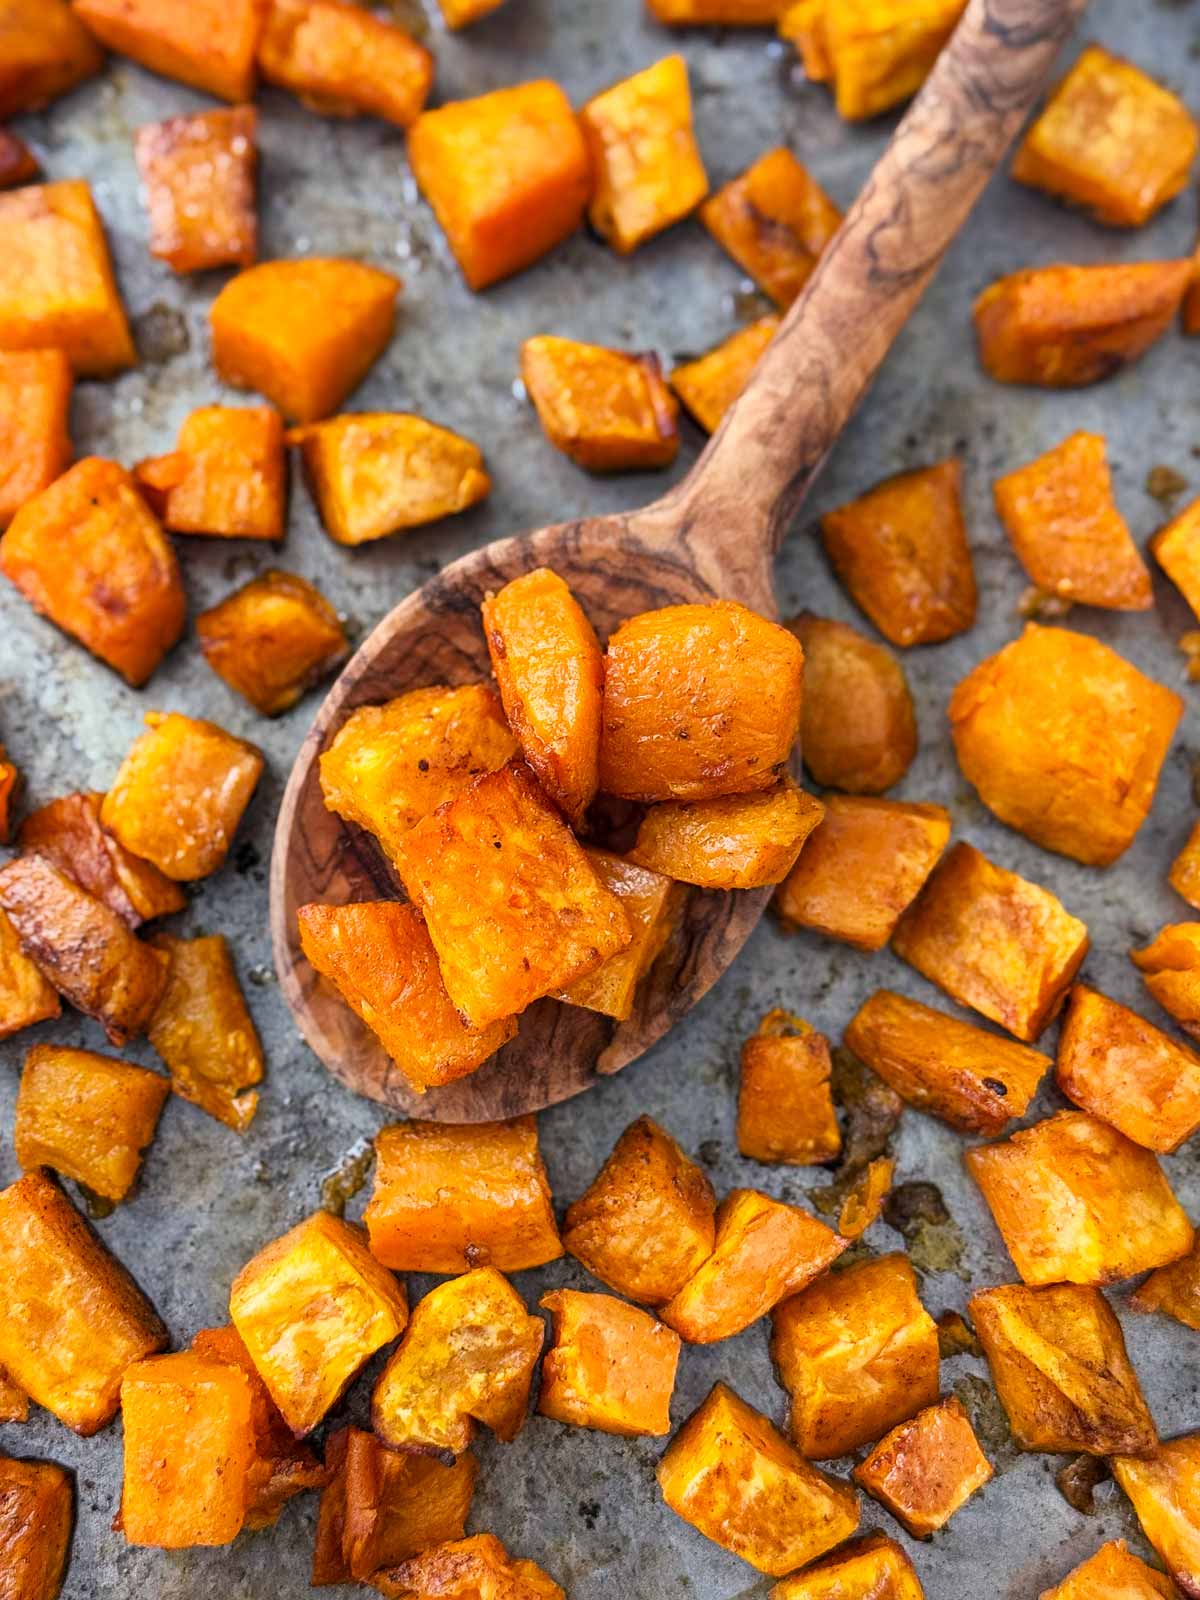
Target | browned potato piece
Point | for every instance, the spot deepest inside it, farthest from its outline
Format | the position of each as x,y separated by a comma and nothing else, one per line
209,44
785,1103
10,785
1184,876
874,1568
1173,1290
1165,1491
876,54
858,731
467,1567
1176,545
343,61
272,639
204,1033
199,176
69,834
1113,1574
609,1365
35,415
45,52
709,385
1170,968
26,996
37,1501
459,13
722,13
740,841
650,902
864,1200
774,220
927,1469
226,477
608,410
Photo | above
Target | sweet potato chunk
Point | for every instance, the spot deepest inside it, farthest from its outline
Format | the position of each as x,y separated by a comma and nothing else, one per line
876,53
68,833
507,174
738,1481
648,170
180,794
467,1357
709,385
343,61
303,333
722,13
609,1366
699,701
785,1103
926,1469
226,477
1174,1290
649,901
88,554
35,441
974,1080
741,841
375,473
272,639
609,410
1064,740
874,1568
1184,876
858,730
204,1033
1165,1491
1069,536
466,1568
199,175
1170,967
36,1512
1078,1202
1113,1573
26,996
209,44
311,1308
449,1197
1111,140
44,52
189,1446
10,783
1059,1365
774,220
460,13
863,1201
1176,548
1063,327
73,1319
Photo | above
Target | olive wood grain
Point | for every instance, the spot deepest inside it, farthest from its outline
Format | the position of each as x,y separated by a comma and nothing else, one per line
714,535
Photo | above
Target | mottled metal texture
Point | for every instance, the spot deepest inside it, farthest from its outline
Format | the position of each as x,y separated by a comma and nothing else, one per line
585,1505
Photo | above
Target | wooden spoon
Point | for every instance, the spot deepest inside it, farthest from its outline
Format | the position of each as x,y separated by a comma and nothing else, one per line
715,534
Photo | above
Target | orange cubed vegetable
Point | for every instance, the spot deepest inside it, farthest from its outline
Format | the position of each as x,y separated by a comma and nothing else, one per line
311,1308
709,385
1058,1361
1170,967
650,903
877,53
1063,327
189,1447
18,164
740,841
1064,740
774,220
648,170
974,1080
204,1033
10,784
460,13
926,1469
722,13
209,44
498,949
858,730
88,554
1184,876
901,550
26,996
1174,1290
73,1319
44,51
1165,1491
785,1102
68,833
1113,1573
863,1201
35,439
37,1505
646,1223
449,1197
1078,1202
180,794
874,1568
609,1365
272,639
609,410
1111,140
227,476
738,1481
199,174
467,1357
466,1568
304,333
699,701
1176,548
342,61
507,174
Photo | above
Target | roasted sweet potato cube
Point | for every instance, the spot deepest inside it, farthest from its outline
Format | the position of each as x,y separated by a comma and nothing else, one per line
44,51
1176,548
926,1469
1184,876
738,1481
26,996
774,220
785,1102
272,639
609,1365
35,441
722,13
699,701
803,22
180,794
68,833
227,476
18,164
199,175
1078,1202
857,1353
10,783
304,333
449,1197
974,1080
877,53
740,841
1170,967
1063,327
608,410
874,1568
460,13
499,950
465,1568
863,1202
858,730
650,902
343,61
1113,1573
467,1357
72,1319
1111,140
709,385
204,1033
507,174
14,1402
209,44
37,1500
1173,1290
1165,1491
311,1308
88,554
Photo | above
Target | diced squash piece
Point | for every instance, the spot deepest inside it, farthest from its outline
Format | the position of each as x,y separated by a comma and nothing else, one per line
204,1033
209,44
1184,876
874,1568
785,1102
1078,1202
863,1201
449,1197
1176,548
803,22
901,550
709,385
1058,1361
1113,1573
1170,967
858,730
26,996
1062,327
876,53
10,783
272,639
199,174
857,1353
507,174
466,1568
189,1447
774,220
609,1365
700,701
926,1469
14,1402
738,1481
647,1221
1165,1491
650,902
741,841
648,170
721,13
71,1318
461,13
974,1080
68,833
35,439
37,1502
1111,140
44,52
313,1307
82,948
180,794
1173,1290
467,1357
18,164
608,410
304,333
512,904
1064,740
88,554
342,61
380,472
226,477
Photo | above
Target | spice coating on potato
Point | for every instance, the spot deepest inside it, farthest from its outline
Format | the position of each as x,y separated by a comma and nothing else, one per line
26,996
464,1569
35,439
1165,1491
608,410
742,841
609,1365
785,1103
1176,548
44,52
343,61
650,901
204,1032
272,639
709,385
1113,1573
68,833
858,731
874,1568
198,174
876,53
37,1502
1170,967
926,1469
226,477
209,44
774,220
